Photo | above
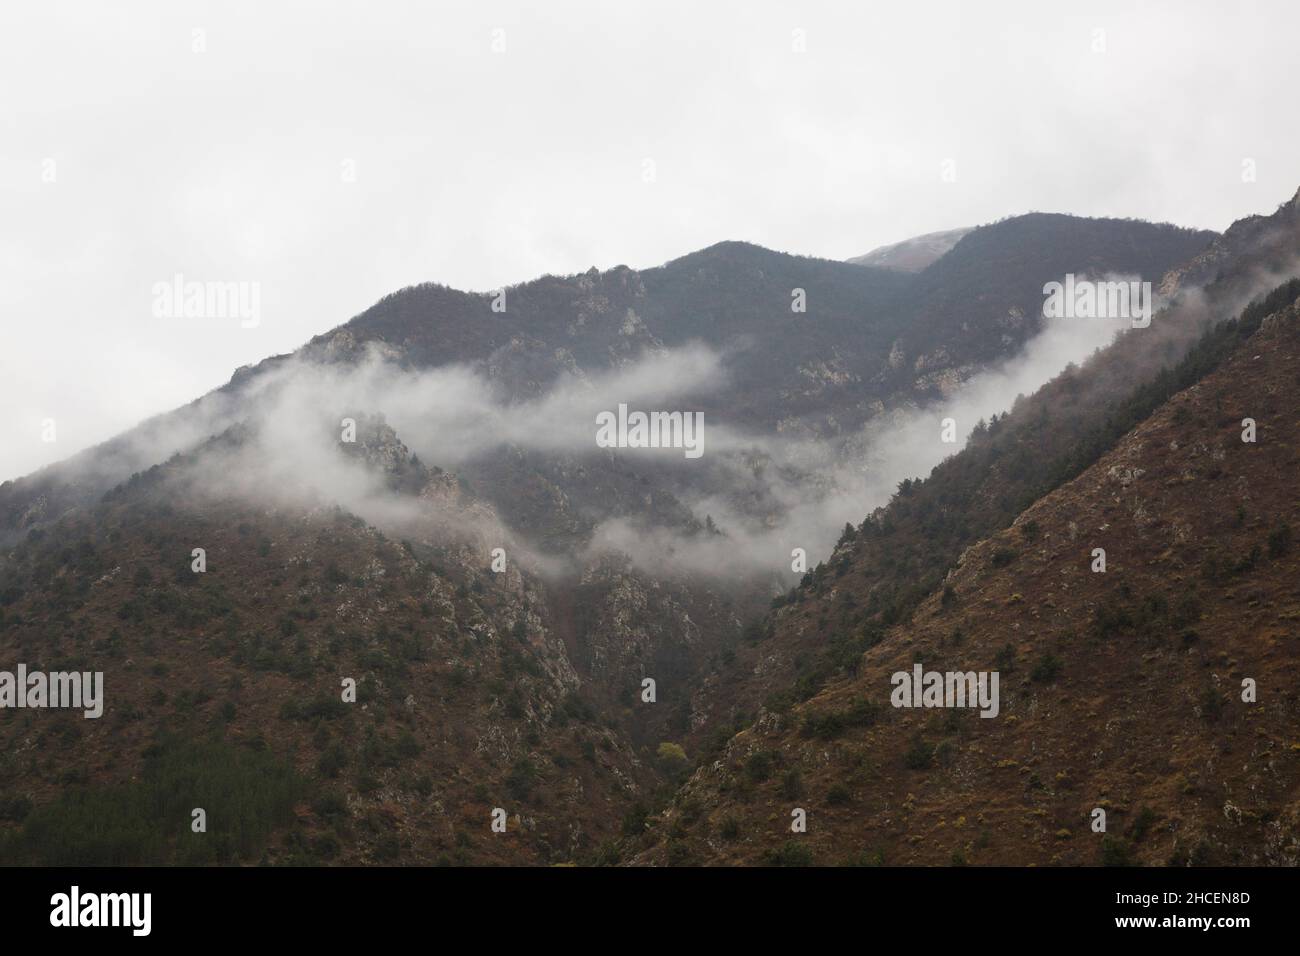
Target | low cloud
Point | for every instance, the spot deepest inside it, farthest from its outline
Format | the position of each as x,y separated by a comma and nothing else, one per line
754,497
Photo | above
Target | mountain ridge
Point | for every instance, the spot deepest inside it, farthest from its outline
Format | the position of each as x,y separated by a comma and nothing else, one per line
546,660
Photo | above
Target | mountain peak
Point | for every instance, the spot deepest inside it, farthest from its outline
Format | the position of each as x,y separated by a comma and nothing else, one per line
915,254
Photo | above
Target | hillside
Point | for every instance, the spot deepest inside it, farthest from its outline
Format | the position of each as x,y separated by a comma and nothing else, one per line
1120,690
466,697
476,689
902,552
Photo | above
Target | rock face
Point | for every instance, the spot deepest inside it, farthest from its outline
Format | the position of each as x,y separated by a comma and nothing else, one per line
379,447
1250,250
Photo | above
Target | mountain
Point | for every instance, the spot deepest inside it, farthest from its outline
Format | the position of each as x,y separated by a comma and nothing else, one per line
499,588
1160,690
861,345
903,552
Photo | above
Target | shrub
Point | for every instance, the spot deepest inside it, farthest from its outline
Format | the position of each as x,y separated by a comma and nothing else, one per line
1279,540
759,766
387,848
1211,703
790,853
918,755
866,858
406,746
791,784
679,854
1047,669
831,724
1142,824
15,809
325,707
634,821
520,781
1116,852
333,760
838,795
608,854
326,846
671,753
1003,557
330,804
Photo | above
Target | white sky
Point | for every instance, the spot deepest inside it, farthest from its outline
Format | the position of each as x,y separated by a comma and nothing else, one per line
479,169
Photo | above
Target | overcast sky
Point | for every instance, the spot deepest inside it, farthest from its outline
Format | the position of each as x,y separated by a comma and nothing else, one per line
334,152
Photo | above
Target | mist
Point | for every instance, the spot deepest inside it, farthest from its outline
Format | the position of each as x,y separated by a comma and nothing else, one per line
753,497
765,494
814,488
